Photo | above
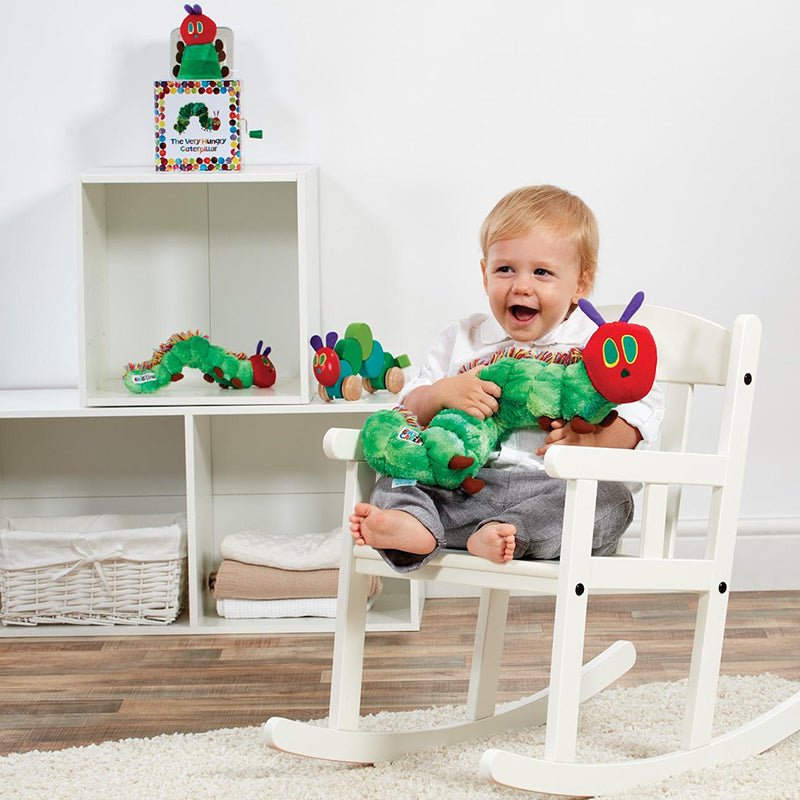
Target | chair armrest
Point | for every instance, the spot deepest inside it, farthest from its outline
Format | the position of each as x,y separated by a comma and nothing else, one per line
592,463
640,466
343,444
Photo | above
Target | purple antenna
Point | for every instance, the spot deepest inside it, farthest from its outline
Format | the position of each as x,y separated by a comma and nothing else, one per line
634,305
197,10
331,339
188,9
591,312
267,351
316,342
259,346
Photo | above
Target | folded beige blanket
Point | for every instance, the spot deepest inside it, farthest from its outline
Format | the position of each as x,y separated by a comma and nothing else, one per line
237,580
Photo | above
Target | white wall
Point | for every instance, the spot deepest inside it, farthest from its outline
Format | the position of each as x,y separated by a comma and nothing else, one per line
677,122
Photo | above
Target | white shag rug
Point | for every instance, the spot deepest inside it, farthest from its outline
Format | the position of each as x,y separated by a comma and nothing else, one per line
235,763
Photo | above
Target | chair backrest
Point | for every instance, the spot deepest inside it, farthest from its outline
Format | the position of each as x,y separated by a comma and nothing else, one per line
693,351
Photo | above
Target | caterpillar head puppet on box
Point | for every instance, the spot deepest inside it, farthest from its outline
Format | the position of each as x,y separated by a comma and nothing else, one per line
617,365
200,53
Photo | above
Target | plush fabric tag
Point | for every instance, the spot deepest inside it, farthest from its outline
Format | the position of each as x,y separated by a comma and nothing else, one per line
402,482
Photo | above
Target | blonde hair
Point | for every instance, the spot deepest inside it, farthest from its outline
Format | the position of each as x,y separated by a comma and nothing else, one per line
523,210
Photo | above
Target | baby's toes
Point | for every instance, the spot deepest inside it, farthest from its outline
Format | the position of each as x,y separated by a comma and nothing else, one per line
510,545
360,510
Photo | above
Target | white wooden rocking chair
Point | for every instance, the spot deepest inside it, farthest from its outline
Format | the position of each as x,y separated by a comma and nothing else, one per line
691,351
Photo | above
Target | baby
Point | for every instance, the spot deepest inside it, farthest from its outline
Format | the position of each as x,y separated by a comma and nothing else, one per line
539,248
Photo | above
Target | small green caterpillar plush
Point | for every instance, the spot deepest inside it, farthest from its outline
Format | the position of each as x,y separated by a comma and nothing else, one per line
229,370
617,365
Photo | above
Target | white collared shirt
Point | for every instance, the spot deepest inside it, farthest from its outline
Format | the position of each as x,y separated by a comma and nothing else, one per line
479,336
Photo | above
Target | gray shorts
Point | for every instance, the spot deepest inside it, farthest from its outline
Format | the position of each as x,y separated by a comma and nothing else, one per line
530,500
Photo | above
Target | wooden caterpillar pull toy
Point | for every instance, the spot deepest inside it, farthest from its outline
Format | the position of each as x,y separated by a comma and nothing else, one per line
338,363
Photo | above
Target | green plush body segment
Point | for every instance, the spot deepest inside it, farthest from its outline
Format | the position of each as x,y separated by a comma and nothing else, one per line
530,389
533,389
216,363
199,61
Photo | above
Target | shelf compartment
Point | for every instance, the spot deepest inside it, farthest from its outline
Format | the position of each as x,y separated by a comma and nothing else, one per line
67,467
268,472
234,256
71,467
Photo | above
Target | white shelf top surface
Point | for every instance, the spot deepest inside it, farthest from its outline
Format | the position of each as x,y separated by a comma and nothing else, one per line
148,174
44,403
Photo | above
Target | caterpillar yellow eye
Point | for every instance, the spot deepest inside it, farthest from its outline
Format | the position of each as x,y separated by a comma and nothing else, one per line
191,28
610,353
199,28
630,347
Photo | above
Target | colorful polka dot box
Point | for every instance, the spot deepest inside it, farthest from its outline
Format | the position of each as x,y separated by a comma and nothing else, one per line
197,126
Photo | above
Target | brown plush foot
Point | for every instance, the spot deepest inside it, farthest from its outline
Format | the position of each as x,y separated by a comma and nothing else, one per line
608,419
208,378
546,423
237,383
580,425
176,377
460,462
472,485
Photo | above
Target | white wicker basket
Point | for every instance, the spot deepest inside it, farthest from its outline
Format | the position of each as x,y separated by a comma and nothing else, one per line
93,570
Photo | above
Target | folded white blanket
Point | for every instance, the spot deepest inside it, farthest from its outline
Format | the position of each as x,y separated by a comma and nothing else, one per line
284,550
273,609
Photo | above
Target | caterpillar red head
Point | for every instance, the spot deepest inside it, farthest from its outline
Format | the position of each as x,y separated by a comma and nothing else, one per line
263,369
197,28
327,366
620,357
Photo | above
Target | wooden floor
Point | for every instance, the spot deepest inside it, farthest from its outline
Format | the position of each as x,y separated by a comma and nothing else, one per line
58,693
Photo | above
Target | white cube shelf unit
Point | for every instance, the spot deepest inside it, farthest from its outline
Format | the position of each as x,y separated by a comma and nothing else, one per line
232,254
229,467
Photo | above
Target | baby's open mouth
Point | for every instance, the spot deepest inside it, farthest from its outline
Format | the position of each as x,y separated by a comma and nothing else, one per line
523,313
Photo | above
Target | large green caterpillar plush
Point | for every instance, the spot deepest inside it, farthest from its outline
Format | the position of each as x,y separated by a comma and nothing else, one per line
218,365
617,365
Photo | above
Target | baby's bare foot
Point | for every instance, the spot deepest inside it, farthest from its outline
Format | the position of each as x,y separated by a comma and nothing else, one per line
494,541
390,528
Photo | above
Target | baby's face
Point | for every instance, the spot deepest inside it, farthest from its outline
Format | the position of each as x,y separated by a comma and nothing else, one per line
532,282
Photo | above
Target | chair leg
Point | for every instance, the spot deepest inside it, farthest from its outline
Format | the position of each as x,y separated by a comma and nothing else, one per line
348,652
704,670
562,712
351,611
570,622
487,653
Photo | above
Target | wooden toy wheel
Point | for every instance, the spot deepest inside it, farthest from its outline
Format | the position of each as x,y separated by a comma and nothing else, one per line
351,388
395,380
367,384
323,393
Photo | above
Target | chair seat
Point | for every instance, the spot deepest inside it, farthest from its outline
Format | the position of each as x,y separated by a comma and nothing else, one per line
463,567
621,572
